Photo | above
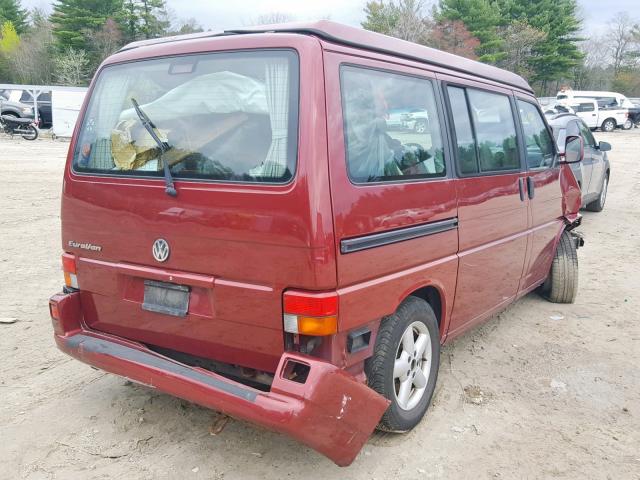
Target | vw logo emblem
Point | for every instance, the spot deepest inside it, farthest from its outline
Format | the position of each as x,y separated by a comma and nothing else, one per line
160,250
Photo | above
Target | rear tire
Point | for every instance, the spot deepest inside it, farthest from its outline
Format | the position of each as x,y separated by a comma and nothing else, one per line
598,204
394,363
33,133
561,285
609,125
628,125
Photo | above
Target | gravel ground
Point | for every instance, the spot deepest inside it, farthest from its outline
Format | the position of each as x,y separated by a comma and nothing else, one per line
539,391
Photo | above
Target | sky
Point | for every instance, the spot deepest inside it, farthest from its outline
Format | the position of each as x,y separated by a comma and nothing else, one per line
225,14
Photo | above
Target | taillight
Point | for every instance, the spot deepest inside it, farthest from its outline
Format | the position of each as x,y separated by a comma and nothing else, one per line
308,313
69,269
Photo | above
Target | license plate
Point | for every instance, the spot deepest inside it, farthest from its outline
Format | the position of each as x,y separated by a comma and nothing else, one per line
166,298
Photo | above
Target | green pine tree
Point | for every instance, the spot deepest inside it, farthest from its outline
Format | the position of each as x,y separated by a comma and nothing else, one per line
482,18
74,21
557,54
12,11
143,19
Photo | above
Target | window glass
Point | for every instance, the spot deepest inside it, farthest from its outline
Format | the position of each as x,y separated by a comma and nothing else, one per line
538,141
584,107
607,102
586,134
466,145
573,130
391,126
225,116
495,131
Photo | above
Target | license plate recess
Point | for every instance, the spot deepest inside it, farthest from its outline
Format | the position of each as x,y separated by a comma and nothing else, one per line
167,298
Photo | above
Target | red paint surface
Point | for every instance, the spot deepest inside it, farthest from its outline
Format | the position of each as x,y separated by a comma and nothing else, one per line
331,412
239,247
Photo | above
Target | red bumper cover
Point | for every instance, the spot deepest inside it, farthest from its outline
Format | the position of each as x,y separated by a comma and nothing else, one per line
331,412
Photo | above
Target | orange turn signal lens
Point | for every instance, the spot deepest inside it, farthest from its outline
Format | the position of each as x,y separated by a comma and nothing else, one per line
317,325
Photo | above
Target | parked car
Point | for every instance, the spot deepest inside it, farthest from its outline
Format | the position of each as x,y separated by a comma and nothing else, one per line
14,108
595,115
43,102
247,234
594,171
614,107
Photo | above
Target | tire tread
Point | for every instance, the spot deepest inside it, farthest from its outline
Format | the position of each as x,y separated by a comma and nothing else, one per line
563,285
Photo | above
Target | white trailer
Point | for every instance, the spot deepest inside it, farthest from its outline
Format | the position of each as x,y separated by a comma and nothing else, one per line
65,108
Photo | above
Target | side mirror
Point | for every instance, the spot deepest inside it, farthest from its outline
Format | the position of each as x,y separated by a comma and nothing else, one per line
604,146
573,150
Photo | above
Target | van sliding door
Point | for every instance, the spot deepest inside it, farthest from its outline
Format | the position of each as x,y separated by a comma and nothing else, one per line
492,207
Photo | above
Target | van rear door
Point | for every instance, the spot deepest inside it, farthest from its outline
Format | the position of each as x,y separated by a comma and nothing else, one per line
203,272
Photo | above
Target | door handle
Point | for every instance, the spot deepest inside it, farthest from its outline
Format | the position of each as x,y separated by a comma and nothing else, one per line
521,187
531,187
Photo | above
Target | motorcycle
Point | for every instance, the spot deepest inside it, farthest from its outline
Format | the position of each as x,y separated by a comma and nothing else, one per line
18,126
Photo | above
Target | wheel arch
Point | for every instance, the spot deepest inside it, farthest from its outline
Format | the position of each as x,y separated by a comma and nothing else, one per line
434,295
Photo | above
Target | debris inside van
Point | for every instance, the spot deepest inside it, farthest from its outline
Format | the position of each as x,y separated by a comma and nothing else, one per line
223,97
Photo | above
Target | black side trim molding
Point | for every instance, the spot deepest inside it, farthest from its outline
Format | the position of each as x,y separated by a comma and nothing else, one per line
356,244
95,345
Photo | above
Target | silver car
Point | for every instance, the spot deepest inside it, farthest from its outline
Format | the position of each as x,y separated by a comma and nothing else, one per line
594,170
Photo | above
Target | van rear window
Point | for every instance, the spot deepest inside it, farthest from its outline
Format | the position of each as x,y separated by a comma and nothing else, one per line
228,116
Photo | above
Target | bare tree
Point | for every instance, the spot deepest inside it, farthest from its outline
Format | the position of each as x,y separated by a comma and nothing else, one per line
107,40
71,68
272,18
595,72
405,19
619,40
519,40
32,61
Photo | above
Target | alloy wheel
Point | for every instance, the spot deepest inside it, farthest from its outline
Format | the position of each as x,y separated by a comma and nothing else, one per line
412,365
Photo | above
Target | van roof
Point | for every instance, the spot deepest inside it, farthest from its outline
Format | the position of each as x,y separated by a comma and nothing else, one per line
357,37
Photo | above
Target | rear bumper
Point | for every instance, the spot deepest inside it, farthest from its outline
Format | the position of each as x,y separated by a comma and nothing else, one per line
331,412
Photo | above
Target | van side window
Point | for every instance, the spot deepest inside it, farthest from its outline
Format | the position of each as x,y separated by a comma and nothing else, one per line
391,126
538,141
465,139
485,131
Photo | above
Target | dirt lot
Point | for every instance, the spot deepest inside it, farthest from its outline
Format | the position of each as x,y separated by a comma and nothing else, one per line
540,391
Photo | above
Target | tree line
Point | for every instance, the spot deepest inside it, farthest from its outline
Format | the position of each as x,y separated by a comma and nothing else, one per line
66,46
541,40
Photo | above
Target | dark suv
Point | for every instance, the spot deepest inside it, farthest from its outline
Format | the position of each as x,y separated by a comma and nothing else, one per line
593,172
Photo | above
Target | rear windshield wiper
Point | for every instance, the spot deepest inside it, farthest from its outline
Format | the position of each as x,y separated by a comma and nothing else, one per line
170,189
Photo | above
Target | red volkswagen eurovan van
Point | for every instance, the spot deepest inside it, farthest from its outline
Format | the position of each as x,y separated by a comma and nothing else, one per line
285,223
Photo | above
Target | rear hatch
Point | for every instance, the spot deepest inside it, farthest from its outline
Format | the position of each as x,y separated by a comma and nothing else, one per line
202,272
